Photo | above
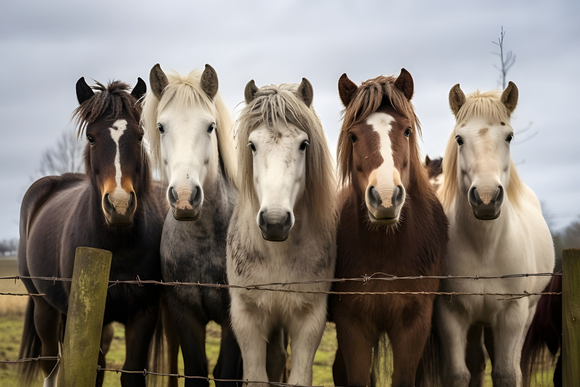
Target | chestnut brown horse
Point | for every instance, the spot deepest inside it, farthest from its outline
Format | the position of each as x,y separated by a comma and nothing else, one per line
112,206
390,223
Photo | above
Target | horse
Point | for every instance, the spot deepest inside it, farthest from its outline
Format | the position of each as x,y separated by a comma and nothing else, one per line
111,206
496,228
188,129
545,332
390,221
434,171
283,229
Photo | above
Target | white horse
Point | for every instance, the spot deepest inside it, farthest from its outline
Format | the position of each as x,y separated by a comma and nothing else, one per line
189,131
496,228
283,230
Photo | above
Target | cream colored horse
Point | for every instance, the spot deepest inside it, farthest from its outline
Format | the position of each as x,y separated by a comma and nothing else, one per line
282,230
496,228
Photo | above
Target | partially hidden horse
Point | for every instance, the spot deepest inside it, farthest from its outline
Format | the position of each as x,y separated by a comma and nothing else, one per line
282,230
434,171
545,333
188,129
390,224
496,228
111,207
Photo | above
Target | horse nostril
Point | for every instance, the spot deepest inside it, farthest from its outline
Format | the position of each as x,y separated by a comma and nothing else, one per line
131,202
398,193
261,221
172,196
473,196
373,197
288,222
196,196
498,198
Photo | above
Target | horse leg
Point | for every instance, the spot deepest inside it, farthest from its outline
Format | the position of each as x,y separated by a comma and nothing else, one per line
338,370
276,356
408,336
508,338
192,339
475,356
172,339
252,340
106,339
305,334
355,345
452,329
139,330
229,363
46,321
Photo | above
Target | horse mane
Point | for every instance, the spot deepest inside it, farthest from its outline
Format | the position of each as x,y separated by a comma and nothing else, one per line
477,104
369,97
279,106
186,92
114,96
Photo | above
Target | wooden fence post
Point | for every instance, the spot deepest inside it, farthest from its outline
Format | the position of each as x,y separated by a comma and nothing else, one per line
571,317
84,322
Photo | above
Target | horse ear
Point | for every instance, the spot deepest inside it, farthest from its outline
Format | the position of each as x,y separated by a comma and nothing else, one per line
510,96
139,90
346,89
305,91
250,91
157,80
456,98
209,81
427,160
405,83
84,91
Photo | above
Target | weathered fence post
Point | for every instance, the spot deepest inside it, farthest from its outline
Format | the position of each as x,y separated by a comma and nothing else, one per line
84,322
571,317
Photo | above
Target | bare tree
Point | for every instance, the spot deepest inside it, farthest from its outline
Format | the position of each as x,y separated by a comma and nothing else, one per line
66,156
506,63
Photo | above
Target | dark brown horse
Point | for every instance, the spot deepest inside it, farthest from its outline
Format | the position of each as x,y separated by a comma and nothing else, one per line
545,332
434,171
390,222
112,207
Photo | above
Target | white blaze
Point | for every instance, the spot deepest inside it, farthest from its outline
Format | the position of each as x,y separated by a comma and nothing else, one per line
117,130
381,123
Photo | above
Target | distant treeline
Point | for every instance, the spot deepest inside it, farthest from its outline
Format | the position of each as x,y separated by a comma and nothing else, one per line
8,247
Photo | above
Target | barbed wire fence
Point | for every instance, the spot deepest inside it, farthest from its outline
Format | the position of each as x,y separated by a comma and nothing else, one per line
286,287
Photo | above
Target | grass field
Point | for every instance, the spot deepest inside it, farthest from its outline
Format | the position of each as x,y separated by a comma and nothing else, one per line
11,323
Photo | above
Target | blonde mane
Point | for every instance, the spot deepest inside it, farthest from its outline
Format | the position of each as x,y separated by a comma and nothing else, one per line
277,107
369,97
477,104
186,92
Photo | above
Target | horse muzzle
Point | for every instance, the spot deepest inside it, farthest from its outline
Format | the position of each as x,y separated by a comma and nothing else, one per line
185,202
275,224
119,208
486,204
380,214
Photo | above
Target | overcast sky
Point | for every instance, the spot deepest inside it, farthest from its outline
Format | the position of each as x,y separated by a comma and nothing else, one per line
45,47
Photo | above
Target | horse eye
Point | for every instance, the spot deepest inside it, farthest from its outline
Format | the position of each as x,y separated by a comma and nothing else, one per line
252,146
353,138
91,139
408,132
160,128
304,144
459,140
510,137
211,127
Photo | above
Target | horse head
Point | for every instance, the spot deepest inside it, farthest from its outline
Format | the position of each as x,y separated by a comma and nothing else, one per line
482,137
377,142
114,157
184,121
282,134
